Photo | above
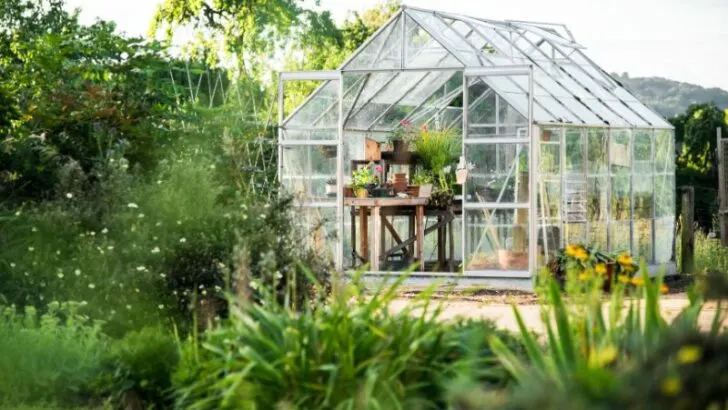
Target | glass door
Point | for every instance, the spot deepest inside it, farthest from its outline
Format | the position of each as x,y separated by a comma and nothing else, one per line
498,200
309,155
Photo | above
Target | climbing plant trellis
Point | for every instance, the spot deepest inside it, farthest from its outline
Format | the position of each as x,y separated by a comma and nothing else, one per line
241,116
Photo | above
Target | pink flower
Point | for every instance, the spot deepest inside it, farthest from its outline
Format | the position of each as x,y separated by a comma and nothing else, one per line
379,168
405,123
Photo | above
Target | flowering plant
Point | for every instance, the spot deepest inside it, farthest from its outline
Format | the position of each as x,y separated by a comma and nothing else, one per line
590,259
404,132
364,176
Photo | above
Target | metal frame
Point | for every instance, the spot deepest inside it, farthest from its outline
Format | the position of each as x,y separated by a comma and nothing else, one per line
481,74
530,35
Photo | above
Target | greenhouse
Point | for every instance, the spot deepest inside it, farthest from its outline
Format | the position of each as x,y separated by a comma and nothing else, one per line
465,146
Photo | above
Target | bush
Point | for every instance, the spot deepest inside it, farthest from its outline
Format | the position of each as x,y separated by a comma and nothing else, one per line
353,353
48,358
139,368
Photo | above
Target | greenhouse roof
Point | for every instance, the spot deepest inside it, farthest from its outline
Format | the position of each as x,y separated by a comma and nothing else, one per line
415,62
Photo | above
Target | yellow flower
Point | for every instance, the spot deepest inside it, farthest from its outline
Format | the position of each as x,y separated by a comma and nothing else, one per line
623,278
664,288
600,268
582,255
638,281
584,275
671,386
603,357
573,250
625,259
689,354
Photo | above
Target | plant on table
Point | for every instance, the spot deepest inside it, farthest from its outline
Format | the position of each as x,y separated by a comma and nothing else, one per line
364,178
404,134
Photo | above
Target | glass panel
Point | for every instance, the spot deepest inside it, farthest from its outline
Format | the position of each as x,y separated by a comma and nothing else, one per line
447,36
664,151
490,115
549,200
642,181
384,51
321,109
500,172
598,139
642,239
306,169
597,234
653,119
619,236
320,226
496,239
664,236
665,195
321,135
575,233
574,160
620,160
423,51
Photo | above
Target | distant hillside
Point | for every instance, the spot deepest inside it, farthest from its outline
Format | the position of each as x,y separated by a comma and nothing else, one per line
670,97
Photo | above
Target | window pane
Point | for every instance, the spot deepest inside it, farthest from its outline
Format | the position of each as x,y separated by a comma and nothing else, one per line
496,239
500,173
642,239
664,235
306,169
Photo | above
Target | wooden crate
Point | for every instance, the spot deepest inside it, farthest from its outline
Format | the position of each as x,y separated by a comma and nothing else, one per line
372,151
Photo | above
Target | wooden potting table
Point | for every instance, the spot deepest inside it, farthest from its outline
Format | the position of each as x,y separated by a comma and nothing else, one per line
382,207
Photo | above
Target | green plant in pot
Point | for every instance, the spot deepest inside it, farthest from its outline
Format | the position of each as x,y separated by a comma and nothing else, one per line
424,179
362,180
402,136
437,148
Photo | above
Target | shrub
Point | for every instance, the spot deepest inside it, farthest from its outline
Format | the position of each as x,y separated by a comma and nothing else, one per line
352,353
139,367
50,357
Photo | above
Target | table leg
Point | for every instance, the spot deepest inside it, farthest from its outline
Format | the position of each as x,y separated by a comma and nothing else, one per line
354,258
440,244
411,227
364,232
451,238
376,238
420,213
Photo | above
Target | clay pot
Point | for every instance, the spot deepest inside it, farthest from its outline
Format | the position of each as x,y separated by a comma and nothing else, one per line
400,182
362,193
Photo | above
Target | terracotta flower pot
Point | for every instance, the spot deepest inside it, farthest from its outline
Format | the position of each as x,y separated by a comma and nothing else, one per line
508,259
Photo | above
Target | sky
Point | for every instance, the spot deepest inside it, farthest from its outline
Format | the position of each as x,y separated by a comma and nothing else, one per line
683,40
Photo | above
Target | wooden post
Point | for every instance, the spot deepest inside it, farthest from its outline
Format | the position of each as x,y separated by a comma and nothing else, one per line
364,233
419,217
688,238
722,200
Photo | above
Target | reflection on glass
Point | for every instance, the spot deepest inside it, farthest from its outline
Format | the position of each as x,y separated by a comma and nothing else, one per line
642,239
496,239
306,169
500,172
664,235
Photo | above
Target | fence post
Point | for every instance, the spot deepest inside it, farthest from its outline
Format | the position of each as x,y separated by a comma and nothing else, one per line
688,236
722,200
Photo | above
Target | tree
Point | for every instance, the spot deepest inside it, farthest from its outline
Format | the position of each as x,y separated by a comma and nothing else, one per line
252,31
696,130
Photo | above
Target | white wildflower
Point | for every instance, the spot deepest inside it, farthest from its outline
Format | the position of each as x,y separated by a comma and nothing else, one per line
69,195
91,286
158,224
60,275
141,268
34,229
12,264
161,306
182,240
92,233
128,307
156,249
77,272
104,231
111,248
162,275
136,290
31,249
179,222
141,215
132,205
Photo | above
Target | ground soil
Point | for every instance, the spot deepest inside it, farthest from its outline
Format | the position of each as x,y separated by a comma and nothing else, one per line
497,306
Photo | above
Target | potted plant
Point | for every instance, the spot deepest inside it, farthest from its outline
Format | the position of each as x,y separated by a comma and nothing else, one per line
424,180
401,138
362,180
331,187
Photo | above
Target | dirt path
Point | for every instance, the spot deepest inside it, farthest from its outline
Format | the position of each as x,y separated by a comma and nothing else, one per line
499,310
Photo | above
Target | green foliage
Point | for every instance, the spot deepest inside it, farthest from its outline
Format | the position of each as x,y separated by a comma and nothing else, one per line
142,362
49,357
352,353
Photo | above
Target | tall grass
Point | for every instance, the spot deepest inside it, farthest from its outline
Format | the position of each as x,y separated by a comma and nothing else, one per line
352,353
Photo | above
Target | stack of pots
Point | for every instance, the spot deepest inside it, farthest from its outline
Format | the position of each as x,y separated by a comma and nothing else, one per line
400,182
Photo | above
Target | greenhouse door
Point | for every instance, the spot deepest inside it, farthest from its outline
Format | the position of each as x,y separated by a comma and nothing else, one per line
498,202
310,162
